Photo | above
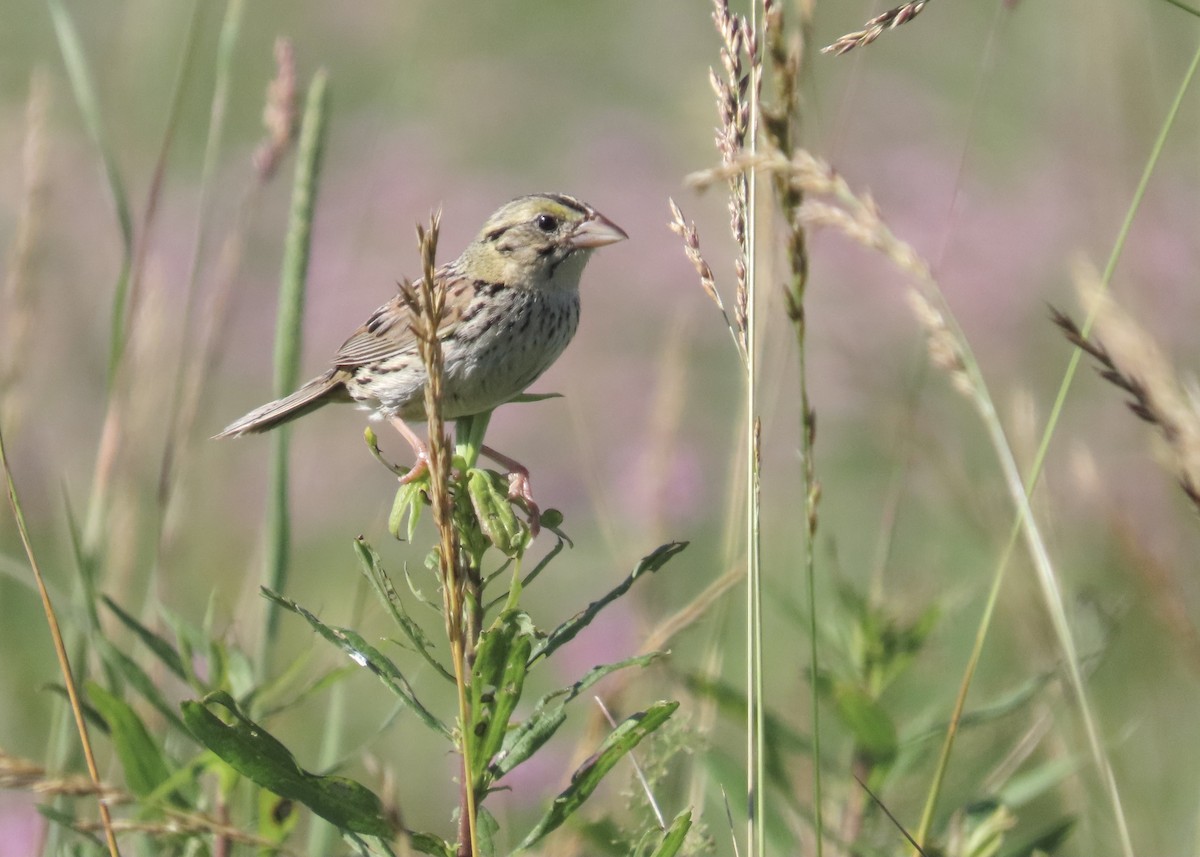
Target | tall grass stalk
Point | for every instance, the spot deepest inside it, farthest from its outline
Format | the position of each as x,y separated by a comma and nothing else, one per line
288,334
755,713
781,123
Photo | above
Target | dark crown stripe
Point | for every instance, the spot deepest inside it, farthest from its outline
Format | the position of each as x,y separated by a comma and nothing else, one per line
566,201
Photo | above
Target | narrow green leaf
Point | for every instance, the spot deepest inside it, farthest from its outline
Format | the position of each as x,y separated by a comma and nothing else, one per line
497,679
365,655
253,752
408,503
566,632
673,838
372,567
550,712
587,777
138,679
158,645
142,761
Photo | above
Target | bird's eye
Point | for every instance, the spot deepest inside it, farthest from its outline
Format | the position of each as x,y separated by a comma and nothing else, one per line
546,222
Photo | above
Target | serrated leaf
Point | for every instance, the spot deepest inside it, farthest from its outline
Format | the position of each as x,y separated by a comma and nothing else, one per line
873,729
253,752
372,567
549,713
365,655
566,632
673,838
497,679
142,761
628,734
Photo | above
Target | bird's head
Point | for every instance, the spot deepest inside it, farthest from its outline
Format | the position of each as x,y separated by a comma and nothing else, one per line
541,241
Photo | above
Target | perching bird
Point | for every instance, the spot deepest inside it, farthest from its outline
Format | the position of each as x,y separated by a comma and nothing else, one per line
512,305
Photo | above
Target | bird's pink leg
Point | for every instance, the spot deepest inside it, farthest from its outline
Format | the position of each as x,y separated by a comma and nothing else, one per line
419,448
518,485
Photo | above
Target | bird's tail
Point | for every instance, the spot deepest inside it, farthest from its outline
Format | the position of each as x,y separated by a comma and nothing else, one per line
317,392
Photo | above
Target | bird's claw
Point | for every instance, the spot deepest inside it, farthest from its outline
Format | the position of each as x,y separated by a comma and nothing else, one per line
419,468
520,490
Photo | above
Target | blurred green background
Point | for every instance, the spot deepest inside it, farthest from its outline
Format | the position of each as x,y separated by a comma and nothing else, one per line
1003,140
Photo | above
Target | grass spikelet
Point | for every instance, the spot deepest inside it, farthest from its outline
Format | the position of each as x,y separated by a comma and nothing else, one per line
1128,357
279,112
873,29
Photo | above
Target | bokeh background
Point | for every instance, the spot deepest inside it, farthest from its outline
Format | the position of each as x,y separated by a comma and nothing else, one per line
1003,140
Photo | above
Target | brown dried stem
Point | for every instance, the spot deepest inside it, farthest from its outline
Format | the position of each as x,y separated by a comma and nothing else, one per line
427,300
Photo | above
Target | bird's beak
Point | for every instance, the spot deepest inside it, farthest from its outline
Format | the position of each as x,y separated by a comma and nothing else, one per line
596,231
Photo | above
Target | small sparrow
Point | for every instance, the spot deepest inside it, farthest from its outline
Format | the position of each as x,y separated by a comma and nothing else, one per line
512,305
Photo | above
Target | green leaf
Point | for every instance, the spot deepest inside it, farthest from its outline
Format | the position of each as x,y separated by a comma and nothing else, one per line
587,777
494,512
372,567
365,655
137,678
872,727
427,843
497,678
566,632
486,829
550,712
142,761
158,645
253,752
676,833
408,503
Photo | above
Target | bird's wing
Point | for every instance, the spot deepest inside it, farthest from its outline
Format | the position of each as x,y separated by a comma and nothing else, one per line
389,330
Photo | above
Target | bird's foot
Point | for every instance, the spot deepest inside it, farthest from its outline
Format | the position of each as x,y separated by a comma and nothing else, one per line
420,467
521,491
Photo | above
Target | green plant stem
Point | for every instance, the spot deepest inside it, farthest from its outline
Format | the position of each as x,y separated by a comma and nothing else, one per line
287,343
468,434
